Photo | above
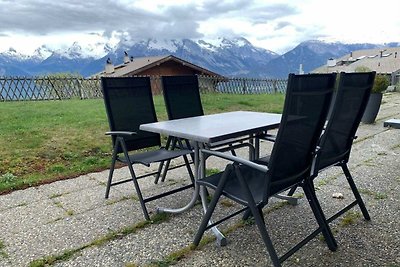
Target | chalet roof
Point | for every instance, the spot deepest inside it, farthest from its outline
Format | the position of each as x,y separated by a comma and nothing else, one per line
382,60
140,64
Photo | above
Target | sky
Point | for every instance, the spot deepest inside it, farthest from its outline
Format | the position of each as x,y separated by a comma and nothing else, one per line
274,25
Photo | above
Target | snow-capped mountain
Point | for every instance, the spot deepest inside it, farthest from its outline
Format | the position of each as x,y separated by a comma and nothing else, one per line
311,54
230,57
13,63
41,53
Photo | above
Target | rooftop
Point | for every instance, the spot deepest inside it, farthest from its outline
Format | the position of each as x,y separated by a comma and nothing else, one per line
382,60
138,64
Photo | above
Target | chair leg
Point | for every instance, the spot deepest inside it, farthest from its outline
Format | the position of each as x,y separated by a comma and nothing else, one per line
188,146
256,211
110,175
173,140
292,190
187,163
135,182
160,167
164,172
207,216
247,214
319,215
259,220
357,195
139,193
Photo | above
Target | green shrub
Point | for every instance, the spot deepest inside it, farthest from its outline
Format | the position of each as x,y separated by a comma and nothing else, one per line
381,83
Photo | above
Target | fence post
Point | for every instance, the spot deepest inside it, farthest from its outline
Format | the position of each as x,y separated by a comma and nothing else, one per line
1,89
55,90
79,85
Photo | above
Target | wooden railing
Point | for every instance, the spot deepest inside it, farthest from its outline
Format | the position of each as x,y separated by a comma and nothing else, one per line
60,88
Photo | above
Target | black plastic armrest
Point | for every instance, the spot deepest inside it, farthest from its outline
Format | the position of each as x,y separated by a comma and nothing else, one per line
126,133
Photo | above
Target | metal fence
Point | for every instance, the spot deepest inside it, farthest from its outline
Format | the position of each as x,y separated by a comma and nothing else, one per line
60,88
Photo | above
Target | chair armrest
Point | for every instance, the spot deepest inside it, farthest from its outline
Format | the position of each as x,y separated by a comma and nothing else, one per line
251,164
126,133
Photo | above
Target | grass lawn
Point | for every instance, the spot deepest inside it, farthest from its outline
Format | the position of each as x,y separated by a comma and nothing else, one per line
46,141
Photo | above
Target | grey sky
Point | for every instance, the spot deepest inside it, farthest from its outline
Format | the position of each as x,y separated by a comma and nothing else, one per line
275,25
47,17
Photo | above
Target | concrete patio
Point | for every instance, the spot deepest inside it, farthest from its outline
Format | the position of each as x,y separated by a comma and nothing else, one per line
69,223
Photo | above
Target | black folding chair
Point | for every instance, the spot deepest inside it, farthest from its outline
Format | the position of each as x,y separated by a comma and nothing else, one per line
251,185
129,103
182,100
335,145
182,96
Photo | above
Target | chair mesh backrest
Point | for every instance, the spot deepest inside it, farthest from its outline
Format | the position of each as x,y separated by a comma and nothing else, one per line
182,96
129,103
304,114
351,99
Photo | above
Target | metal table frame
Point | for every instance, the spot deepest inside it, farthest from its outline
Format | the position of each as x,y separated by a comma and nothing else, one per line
209,129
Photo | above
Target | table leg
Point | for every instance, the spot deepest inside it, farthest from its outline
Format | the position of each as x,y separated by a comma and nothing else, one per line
221,240
256,148
196,188
199,165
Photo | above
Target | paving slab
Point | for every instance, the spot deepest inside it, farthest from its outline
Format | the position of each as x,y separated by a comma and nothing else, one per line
51,219
20,198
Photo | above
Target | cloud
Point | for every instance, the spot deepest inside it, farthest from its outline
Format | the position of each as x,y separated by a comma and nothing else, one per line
273,24
270,13
168,20
282,24
47,17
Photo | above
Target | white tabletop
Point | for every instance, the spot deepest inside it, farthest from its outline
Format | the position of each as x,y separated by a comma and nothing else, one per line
216,127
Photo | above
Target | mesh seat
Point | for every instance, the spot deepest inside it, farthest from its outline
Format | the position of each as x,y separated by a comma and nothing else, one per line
351,99
129,103
251,184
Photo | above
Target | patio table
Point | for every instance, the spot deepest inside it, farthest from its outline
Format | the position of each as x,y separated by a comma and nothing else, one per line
208,129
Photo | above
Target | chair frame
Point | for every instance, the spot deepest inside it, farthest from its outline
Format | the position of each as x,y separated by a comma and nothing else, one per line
343,159
120,138
246,197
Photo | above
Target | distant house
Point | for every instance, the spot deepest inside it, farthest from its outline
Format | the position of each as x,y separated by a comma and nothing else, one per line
382,60
154,66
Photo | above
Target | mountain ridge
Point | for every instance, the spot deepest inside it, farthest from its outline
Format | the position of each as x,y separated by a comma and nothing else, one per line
229,57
